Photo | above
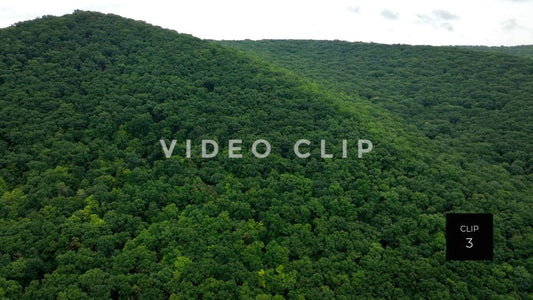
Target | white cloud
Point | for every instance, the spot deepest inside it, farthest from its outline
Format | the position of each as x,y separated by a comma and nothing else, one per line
354,9
438,19
389,14
444,14
509,24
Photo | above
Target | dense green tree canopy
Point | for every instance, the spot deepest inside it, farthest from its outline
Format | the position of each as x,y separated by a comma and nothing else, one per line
91,208
522,51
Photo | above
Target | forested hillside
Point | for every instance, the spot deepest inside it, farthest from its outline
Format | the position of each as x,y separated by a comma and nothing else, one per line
479,103
91,208
522,51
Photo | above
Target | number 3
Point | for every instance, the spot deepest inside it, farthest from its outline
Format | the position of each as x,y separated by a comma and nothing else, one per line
469,243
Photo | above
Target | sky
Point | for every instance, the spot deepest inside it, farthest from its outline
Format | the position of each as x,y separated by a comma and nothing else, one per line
429,22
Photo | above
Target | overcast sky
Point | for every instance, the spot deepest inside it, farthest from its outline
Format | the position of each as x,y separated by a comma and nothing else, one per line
449,22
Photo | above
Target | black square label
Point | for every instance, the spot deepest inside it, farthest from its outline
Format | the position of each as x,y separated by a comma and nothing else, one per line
469,236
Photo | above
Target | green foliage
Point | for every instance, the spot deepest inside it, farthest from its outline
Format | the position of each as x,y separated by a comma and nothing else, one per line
91,208
522,50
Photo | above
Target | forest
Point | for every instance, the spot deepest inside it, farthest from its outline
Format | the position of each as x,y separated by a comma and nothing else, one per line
522,50
91,208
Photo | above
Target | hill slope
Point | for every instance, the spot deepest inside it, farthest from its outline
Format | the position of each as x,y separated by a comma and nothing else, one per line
475,107
522,51
91,207
478,102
